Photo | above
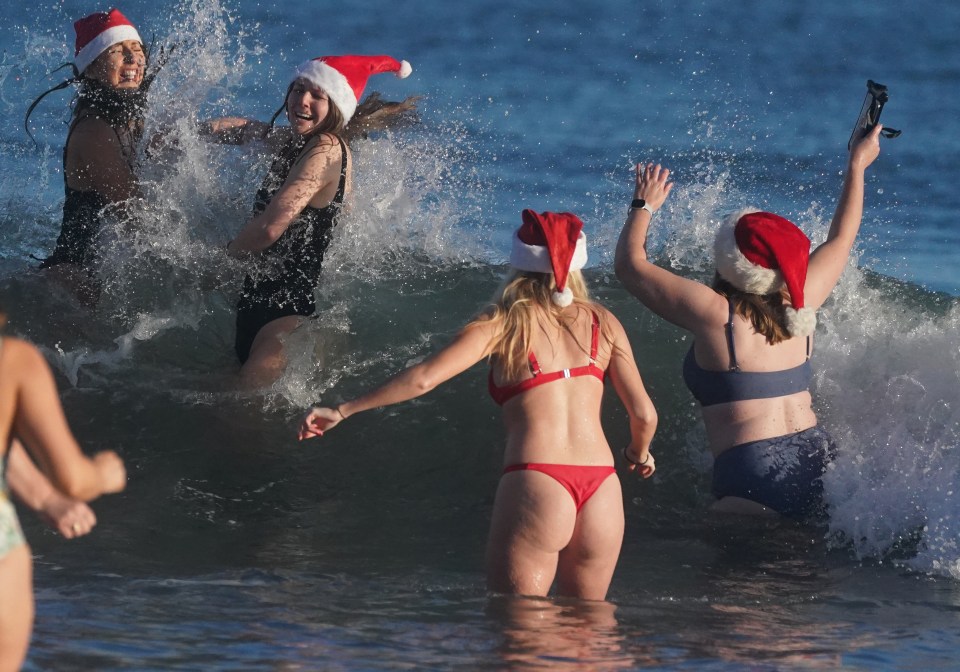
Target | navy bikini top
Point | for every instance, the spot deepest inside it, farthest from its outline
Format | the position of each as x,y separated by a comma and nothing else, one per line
502,394
722,387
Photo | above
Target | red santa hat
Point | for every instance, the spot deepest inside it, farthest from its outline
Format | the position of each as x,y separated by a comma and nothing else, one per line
98,32
343,78
759,252
550,242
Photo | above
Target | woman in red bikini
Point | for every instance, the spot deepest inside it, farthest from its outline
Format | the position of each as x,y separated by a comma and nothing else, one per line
558,512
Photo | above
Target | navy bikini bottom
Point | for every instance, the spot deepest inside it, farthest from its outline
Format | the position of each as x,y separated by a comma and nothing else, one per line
783,473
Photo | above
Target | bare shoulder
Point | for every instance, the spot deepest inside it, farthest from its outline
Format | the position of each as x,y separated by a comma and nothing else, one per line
93,131
321,154
607,319
21,356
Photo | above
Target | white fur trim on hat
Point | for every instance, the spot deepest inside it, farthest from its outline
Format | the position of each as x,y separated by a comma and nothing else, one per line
333,82
801,322
736,268
102,42
536,258
564,298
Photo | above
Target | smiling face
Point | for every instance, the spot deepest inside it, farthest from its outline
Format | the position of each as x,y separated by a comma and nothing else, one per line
307,107
120,66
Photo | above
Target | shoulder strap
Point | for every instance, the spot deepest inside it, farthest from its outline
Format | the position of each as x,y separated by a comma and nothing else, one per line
534,364
343,169
595,339
808,347
734,366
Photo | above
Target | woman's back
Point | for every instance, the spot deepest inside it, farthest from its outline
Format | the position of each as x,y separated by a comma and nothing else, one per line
736,352
558,420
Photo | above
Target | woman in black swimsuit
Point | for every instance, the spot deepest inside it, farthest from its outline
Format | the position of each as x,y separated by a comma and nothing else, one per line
297,205
99,154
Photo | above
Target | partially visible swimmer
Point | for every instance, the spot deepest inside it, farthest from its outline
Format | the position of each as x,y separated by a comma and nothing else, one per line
68,516
100,153
30,412
300,199
749,366
558,512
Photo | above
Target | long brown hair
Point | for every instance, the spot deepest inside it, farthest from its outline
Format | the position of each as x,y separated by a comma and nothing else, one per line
524,303
766,312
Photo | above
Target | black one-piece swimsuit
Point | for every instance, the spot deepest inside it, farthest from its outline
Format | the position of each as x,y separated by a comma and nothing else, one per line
290,268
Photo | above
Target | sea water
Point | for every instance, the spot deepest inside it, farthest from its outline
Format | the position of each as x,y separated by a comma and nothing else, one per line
235,547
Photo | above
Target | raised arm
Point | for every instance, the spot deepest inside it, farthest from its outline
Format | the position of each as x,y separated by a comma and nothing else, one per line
830,258
40,423
679,300
640,409
470,346
317,168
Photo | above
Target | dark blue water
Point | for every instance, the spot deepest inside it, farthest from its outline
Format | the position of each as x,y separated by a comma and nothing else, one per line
237,548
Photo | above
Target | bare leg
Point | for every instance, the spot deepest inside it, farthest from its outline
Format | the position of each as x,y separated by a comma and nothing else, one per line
533,519
16,607
267,359
587,563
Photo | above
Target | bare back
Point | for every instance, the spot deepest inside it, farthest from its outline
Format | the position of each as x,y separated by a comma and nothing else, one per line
559,422
733,423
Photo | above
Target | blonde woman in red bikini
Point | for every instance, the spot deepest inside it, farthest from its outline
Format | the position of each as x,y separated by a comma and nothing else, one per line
558,512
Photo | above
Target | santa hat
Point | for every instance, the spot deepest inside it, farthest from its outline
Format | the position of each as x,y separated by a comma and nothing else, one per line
98,32
550,242
343,78
759,252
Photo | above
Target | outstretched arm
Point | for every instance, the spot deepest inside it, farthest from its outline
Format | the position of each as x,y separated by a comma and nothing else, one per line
40,423
70,517
236,130
830,258
640,409
677,299
469,347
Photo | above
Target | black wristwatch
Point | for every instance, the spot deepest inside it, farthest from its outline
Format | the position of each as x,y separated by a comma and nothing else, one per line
640,204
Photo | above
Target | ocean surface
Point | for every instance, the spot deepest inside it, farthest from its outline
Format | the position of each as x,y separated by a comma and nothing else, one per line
237,548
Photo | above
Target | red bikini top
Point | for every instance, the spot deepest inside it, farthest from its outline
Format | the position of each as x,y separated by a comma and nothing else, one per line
502,394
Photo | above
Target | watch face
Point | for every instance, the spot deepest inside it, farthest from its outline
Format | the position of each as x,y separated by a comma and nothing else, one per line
638,203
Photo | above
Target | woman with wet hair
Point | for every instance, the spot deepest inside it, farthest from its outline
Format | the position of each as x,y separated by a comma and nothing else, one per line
99,155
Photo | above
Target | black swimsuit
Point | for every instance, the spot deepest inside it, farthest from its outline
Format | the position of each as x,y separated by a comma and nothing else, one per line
291,266
82,216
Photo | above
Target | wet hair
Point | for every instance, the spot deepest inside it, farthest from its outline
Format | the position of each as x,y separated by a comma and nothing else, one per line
524,303
766,312
115,106
372,114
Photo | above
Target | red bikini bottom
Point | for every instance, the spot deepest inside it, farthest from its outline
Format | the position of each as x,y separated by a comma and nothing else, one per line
579,480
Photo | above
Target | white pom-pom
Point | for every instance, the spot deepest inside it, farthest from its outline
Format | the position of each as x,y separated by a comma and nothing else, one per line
564,298
405,70
801,322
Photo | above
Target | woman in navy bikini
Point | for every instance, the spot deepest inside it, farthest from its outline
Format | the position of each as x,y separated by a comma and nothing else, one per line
749,365
558,512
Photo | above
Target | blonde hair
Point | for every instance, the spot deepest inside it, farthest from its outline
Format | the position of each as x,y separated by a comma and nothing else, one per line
766,312
520,305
